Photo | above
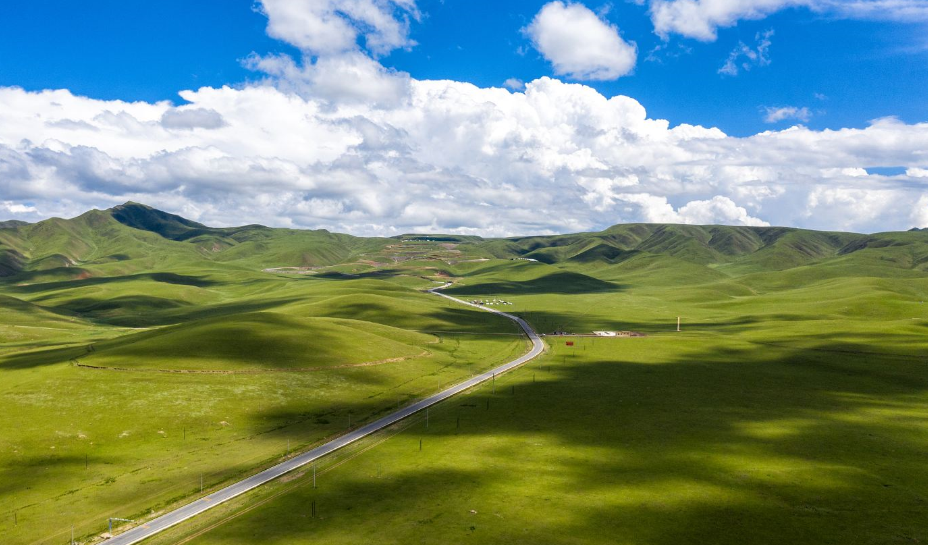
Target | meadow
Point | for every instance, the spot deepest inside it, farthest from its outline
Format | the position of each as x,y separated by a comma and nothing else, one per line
665,439
135,410
790,408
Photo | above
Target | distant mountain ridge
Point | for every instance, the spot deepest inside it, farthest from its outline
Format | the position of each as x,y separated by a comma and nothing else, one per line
136,237
12,224
140,238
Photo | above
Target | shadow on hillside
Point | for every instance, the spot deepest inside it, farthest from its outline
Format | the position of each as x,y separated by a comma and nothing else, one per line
376,274
23,472
262,341
453,317
723,446
564,282
164,277
39,358
713,444
145,311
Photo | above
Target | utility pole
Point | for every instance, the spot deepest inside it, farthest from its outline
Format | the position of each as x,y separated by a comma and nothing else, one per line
111,519
678,323
72,535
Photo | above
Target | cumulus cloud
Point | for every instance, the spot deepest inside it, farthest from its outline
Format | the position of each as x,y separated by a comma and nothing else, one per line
334,65
448,156
717,210
775,114
920,212
701,19
322,27
336,140
17,209
514,84
345,78
744,57
579,44
191,118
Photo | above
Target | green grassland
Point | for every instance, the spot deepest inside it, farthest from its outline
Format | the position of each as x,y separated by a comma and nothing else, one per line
140,351
660,440
135,364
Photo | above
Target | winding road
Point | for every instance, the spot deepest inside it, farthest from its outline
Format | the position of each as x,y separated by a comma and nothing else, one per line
152,527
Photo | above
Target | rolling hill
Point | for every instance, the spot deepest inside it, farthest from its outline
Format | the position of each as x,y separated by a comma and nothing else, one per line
148,351
133,236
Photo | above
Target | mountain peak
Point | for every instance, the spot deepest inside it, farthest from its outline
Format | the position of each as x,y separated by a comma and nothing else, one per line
144,217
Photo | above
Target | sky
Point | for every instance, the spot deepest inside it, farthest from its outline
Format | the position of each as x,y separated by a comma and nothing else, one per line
380,117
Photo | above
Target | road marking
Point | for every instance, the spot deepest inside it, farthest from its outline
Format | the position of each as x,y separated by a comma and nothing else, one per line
234,490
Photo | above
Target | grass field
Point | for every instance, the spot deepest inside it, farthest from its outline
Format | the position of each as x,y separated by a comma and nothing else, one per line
104,420
664,439
141,353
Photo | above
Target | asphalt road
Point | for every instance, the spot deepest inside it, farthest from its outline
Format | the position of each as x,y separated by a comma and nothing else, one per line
205,503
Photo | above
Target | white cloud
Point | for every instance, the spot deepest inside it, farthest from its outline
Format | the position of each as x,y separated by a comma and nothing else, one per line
17,208
752,56
920,212
881,10
514,84
776,114
701,19
846,207
345,78
324,27
191,118
447,156
717,210
579,44
336,140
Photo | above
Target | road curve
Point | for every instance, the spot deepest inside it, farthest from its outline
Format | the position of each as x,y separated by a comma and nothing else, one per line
152,527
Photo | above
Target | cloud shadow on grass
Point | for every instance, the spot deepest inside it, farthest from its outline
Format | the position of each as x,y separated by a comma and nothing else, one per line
727,446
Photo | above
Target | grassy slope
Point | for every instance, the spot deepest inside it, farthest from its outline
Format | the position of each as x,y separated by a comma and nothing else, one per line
130,426
662,440
258,341
766,311
147,436
789,410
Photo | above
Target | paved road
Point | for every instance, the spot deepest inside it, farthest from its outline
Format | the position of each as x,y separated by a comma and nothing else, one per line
179,515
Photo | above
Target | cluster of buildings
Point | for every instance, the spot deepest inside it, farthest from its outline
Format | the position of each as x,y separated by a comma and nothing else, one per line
490,302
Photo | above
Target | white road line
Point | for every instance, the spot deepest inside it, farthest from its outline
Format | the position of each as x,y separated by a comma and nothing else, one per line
181,514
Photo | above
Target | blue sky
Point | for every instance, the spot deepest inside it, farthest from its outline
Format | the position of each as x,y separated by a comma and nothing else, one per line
151,50
821,111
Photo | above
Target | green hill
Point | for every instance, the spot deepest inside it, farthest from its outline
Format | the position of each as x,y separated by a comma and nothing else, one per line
147,351
135,237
